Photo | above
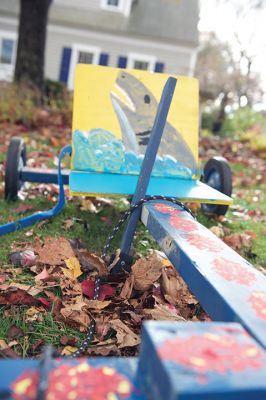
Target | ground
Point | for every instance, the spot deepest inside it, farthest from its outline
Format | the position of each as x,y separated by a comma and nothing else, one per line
48,298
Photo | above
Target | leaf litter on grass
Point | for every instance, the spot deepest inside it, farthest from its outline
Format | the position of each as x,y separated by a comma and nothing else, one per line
152,290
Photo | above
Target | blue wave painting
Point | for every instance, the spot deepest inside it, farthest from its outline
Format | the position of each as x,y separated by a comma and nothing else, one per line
100,151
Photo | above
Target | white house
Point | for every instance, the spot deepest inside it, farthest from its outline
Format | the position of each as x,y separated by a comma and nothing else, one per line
155,35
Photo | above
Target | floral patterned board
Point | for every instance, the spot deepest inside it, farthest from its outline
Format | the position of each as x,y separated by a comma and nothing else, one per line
228,287
197,361
101,379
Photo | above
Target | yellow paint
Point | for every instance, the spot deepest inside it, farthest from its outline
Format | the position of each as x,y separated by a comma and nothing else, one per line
60,387
251,352
124,387
22,386
108,371
197,361
93,108
111,396
83,367
72,395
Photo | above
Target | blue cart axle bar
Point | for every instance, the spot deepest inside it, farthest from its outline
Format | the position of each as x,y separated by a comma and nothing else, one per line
39,216
36,175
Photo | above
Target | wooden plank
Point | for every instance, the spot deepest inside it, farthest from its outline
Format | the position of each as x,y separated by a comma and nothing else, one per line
82,183
101,378
228,287
201,361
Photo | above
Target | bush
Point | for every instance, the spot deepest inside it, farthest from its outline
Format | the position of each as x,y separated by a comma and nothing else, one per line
240,121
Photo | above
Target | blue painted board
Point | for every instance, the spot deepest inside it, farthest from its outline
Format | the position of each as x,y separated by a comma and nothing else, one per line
83,378
201,361
91,182
228,287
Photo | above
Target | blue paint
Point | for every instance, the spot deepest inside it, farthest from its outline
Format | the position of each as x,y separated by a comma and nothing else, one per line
223,300
122,62
104,57
36,175
65,62
100,151
159,67
40,216
167,379
11,369
148,162
93,182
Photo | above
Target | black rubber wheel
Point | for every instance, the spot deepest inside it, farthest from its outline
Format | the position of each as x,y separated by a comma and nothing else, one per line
16,160
217,174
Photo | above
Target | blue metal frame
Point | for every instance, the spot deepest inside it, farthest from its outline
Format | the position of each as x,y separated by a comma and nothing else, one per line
148,162
39,216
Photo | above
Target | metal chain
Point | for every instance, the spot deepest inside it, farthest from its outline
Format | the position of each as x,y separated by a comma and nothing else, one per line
132,208
89,335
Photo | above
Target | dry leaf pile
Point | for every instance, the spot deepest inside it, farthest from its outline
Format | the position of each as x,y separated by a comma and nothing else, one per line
153,290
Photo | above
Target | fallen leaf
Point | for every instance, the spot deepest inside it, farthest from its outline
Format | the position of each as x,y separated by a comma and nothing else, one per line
239,240
42,275
54,251
125,336
31,290
68,340
91,262
14,332
68,223
88,288
87,205
163,312
171,287
218,231
98,305
73,270
34,314
146,271
127,287
18,296
68,350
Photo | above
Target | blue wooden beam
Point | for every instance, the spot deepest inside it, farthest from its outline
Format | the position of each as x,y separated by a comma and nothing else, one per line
40,175
148,162
201,361
228,287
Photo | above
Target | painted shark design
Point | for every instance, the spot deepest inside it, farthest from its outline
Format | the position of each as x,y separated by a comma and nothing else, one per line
135,107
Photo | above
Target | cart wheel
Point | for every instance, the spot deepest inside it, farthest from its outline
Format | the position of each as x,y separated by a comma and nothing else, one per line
16,159
217,174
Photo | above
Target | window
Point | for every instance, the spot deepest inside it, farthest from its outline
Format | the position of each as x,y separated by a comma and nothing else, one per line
7,55
114,3
121,6
7,47
141,61
82,54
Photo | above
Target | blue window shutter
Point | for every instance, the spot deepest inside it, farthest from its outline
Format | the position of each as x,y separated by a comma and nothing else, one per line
122,62
65,61
159,67
104,57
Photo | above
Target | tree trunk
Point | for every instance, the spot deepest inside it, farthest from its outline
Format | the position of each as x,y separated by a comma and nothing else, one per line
217,125
31,43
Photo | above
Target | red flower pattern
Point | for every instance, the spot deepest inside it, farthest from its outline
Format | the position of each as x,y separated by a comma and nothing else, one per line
258,302
165,209
74,382
183,224
204,242
212,352
233,271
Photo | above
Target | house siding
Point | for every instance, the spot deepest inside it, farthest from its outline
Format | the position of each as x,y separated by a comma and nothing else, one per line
174,44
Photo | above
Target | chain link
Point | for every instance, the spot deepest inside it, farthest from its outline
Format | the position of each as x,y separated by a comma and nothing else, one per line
89,335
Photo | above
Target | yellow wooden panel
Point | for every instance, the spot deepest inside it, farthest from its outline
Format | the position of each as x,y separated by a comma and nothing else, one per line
103,96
